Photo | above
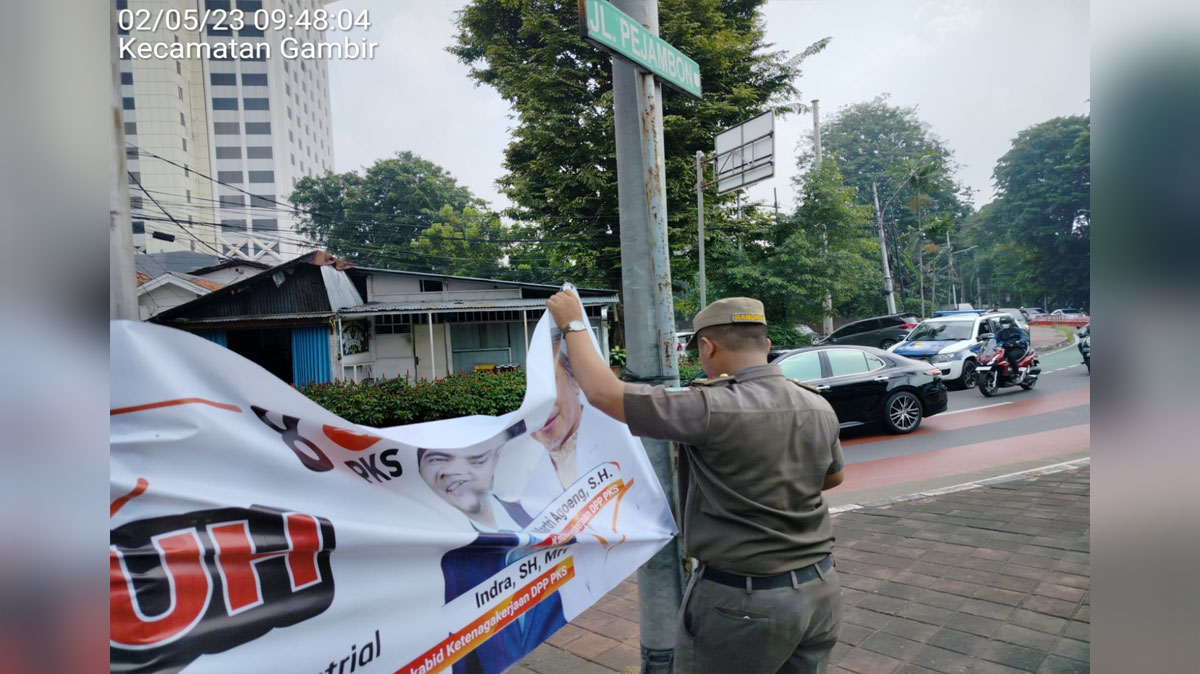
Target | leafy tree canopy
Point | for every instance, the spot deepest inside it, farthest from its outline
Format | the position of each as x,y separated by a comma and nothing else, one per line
1038,229
402,212
824,246
561,163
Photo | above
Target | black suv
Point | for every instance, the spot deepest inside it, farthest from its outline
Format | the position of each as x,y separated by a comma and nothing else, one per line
880,332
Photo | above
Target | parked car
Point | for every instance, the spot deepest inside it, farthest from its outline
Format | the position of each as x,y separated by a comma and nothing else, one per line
1033,312
951,341
681,340
1069,313
868,385
881,331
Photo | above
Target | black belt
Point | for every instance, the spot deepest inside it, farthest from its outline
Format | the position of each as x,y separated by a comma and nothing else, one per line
768,582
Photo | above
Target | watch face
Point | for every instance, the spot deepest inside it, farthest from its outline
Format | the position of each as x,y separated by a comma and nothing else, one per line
575,326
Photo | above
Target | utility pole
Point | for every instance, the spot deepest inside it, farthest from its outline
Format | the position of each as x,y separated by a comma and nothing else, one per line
700,225
122,297
827,303
887,270
950,271
649,312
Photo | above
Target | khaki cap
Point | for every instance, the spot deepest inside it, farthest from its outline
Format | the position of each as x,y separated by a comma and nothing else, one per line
730,310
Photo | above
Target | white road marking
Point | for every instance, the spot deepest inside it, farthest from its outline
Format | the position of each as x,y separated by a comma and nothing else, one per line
1041,470
981,407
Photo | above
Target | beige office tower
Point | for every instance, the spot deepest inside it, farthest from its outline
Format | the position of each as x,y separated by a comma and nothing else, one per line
217,142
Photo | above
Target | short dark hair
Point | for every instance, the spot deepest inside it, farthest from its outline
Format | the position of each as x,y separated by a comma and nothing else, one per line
735,337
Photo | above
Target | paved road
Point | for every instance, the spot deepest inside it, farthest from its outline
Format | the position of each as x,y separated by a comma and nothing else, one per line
976,438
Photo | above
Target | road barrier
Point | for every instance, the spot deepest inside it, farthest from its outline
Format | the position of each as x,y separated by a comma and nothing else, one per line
1077,321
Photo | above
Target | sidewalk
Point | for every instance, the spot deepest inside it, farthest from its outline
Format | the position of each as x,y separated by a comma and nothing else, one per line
991,580
1045,338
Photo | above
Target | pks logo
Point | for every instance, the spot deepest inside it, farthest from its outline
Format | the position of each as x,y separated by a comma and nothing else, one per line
207,581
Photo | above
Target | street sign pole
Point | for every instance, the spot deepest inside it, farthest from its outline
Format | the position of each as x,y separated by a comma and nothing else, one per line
630,33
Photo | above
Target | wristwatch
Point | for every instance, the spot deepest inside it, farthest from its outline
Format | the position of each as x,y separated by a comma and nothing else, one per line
574,326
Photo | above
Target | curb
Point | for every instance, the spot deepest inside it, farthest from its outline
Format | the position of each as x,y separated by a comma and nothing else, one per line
1000,479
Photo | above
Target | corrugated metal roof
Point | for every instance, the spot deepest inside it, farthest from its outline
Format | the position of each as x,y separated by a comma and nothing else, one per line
400,272
422,306
257,318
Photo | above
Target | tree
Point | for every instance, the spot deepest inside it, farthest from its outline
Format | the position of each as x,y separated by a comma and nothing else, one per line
561,163
825,245
875,142
1037,231
461,244
395,214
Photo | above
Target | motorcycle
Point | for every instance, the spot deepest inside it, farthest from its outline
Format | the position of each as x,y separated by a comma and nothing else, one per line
995,372
1085,346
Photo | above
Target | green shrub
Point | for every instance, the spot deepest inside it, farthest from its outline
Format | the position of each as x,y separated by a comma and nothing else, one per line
395,402
616,356
786,337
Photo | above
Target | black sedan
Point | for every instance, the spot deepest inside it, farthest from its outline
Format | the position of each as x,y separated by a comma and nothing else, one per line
865,385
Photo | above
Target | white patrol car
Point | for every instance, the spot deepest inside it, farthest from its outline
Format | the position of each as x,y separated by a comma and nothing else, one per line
951,341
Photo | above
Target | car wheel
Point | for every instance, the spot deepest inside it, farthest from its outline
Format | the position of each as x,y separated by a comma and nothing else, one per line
969,376
902,412
886,344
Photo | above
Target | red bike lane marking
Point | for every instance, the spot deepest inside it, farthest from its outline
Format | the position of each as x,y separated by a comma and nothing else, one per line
966,458
989,415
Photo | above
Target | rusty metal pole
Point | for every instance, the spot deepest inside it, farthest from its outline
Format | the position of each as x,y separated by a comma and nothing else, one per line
649,312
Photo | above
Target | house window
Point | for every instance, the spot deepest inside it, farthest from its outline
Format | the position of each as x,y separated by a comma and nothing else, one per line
127,103
126,78
254,79
139,227
257,103
230,176
225,104
226,129
223,79
265,224
229,152
263,152
390,324
130,128
262,176
431,286
258,128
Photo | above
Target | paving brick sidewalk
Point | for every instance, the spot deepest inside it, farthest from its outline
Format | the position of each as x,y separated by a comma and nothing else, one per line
990,580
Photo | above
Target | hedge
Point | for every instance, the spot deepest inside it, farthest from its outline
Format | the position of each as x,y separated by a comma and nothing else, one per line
394,402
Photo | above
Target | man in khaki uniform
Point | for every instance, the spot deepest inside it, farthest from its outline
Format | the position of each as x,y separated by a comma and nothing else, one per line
756,450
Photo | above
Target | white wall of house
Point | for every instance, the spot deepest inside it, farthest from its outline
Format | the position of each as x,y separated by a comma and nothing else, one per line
394,356
435,364
392,288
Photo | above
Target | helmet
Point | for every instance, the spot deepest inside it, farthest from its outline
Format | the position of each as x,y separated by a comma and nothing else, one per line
1006,320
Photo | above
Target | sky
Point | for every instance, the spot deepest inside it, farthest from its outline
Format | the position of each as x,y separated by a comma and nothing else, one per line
977,71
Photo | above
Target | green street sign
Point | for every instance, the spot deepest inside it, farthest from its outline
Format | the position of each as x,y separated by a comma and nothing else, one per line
613,30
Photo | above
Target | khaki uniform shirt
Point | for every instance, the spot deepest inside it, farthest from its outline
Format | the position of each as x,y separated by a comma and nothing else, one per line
755,448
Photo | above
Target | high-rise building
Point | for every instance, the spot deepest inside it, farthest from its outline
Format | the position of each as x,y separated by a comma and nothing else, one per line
219,139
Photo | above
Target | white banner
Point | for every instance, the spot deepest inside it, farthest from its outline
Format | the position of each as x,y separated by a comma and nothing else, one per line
254,531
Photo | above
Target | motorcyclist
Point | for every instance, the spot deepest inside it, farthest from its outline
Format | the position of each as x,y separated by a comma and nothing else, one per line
1014,341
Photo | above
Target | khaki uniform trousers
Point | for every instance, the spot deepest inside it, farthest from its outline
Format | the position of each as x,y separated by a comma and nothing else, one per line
788,629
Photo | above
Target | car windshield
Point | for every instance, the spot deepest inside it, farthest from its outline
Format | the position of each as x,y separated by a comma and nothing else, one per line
931,330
